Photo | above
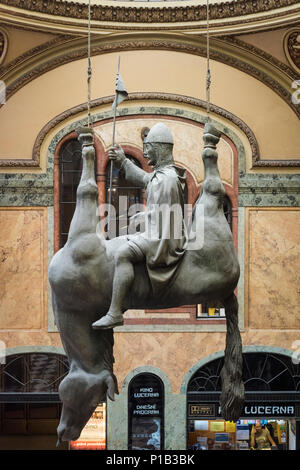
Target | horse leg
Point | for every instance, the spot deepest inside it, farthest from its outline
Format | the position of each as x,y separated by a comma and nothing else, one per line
232,396
90,353
85,217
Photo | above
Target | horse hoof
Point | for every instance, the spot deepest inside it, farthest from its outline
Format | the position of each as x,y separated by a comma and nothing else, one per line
107,322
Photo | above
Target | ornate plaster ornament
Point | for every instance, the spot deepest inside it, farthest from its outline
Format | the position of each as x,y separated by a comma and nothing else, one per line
3,45
139,13
292,48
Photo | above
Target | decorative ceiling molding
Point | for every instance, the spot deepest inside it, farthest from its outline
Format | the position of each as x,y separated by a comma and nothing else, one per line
292,48
244,14
289,71
163,98
150,14
61,39
3,44
227,50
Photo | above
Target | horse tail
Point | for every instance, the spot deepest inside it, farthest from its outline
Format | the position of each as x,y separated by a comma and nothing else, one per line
232,396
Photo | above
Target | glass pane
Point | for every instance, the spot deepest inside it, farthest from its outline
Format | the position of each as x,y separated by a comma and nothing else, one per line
14,374
43,372
70,174
66,193
261,371
67,212
70,155
63,239
122,189
227,207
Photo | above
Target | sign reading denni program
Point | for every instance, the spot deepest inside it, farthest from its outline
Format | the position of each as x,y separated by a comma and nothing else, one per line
145,406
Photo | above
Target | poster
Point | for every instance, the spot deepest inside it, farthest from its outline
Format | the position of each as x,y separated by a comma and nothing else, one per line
222,437
230,427
217,426
201,425
242,433
146,433
93,435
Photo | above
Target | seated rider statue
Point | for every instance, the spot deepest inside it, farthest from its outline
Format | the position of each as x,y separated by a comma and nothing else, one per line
163,242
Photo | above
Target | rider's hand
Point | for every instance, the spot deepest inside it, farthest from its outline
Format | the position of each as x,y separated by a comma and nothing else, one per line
117,155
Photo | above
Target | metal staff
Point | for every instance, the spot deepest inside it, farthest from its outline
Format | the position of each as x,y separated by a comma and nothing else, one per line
120,95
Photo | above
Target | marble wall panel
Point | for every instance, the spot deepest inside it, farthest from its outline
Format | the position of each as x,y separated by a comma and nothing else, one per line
273,254
22,268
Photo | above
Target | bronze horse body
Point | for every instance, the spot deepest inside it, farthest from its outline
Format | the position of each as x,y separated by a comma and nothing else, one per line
81,276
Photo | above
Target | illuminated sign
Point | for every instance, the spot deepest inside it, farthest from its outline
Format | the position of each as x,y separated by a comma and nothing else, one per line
145,406
198,410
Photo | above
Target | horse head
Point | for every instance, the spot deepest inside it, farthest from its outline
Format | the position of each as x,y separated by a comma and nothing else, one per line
80,393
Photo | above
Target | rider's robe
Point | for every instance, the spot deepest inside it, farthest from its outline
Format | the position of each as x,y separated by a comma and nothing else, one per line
163,240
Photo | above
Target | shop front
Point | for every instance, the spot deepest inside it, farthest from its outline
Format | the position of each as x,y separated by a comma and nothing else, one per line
271,414
275,418
30,406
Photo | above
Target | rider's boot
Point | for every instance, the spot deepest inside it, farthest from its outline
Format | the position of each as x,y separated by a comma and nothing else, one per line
110,320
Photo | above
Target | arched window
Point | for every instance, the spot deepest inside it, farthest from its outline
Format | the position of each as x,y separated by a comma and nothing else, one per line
261,372
70,167
33,373
146,413
124,195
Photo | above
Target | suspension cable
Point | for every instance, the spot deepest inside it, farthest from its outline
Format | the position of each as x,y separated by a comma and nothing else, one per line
208,74
89,70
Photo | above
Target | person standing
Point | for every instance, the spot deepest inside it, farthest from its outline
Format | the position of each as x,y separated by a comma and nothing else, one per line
261,437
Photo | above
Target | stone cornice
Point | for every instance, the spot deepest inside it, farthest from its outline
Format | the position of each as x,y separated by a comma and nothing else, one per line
239,13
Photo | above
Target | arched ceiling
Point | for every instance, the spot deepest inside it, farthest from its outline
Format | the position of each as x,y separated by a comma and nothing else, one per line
159,71
58,32
189,15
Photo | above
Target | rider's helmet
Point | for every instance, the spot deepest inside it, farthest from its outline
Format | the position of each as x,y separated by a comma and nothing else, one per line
159,134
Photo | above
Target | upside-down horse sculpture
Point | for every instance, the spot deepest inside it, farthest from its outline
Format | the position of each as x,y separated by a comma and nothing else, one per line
84,278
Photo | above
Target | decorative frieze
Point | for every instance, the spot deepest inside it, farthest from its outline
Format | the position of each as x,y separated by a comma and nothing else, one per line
151,14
